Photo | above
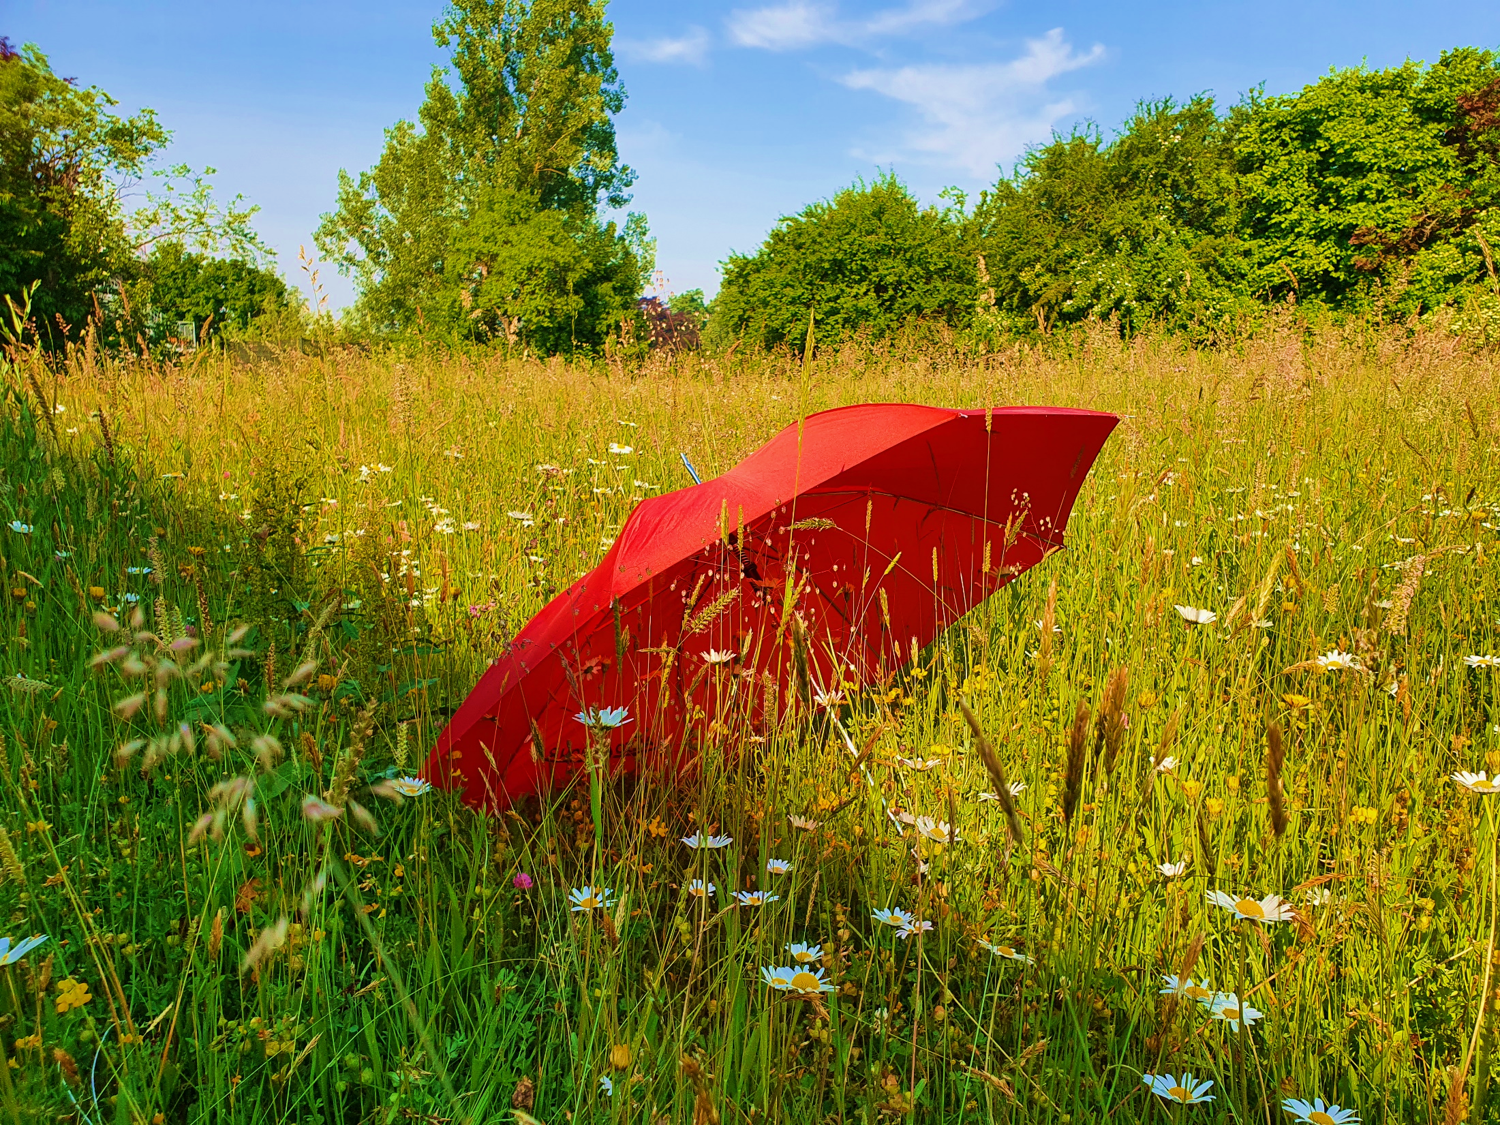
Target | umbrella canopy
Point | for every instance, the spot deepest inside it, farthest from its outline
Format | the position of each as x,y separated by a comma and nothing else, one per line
868,530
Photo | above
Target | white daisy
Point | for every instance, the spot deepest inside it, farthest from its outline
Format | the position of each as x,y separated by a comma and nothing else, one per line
1196,616
704,840
1184,1091
1476,782
1319,1112
778,977
938,831
1188,988
804,954
754,898
410,786
807,981
1005,951
1270,909
1337,661
1226,1006
698,889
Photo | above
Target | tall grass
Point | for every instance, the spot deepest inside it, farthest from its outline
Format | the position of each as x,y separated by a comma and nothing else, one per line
337,546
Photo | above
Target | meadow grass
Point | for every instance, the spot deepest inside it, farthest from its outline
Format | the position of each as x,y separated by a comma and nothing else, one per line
293,572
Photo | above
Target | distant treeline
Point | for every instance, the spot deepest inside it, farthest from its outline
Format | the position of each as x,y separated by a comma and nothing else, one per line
488,220
1369,192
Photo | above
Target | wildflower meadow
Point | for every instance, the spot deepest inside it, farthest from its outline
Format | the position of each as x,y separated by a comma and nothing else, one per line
1194,821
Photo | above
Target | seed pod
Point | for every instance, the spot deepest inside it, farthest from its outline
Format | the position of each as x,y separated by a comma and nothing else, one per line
1275,759
1077,743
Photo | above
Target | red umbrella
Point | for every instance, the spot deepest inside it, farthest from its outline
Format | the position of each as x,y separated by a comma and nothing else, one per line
876,526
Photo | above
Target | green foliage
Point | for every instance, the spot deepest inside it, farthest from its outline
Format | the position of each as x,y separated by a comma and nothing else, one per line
869,260
1372,177
216,292
691,303
481,221
1367,192
1142,228
62,153
65,159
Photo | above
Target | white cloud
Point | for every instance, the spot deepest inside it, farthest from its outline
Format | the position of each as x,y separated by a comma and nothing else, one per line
690,48
978,115
797,23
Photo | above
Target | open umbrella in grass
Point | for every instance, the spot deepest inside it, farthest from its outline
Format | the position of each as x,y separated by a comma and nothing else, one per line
827,558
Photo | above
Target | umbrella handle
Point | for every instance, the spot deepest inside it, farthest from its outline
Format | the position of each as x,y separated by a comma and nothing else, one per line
692,472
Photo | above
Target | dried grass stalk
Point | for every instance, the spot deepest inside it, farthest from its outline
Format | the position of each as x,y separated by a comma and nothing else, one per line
1406,593
1077,743
1275,759
800,674
1049,622
1458,1099
1111,721
996,771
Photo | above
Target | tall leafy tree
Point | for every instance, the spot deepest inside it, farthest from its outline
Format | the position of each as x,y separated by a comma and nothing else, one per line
67,161
482,218
868,260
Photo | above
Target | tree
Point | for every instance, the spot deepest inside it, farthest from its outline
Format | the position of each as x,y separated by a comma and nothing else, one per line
181,285
483,218
61,153
869,260
67,162
1142,228
1372,178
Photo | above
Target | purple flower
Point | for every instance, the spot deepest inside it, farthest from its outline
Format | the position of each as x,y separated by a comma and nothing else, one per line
523,881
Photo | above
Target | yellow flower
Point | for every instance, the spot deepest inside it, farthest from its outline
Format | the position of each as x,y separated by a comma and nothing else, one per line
619,1056
1296,702
97,593
35,827
71,994
1191,789
1214,806
30,1041
1147,700
656,828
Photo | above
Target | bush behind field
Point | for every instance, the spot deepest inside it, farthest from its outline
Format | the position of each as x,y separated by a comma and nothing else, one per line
1367,193
394,518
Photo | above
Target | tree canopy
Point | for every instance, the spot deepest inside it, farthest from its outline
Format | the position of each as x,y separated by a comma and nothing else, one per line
67,161
216,293
1367,192
481,219
868,260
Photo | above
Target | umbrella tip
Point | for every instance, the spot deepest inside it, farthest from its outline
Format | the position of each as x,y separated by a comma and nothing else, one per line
692,472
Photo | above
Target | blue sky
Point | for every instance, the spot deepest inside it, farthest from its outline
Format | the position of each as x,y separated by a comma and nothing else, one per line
738,113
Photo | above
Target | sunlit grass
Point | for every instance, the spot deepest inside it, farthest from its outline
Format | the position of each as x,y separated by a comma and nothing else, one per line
383,524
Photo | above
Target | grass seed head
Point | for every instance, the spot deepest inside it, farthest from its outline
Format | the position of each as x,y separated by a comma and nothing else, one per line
1276,795
1077,748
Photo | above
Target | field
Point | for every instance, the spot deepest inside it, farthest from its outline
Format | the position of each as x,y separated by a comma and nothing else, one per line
294,570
